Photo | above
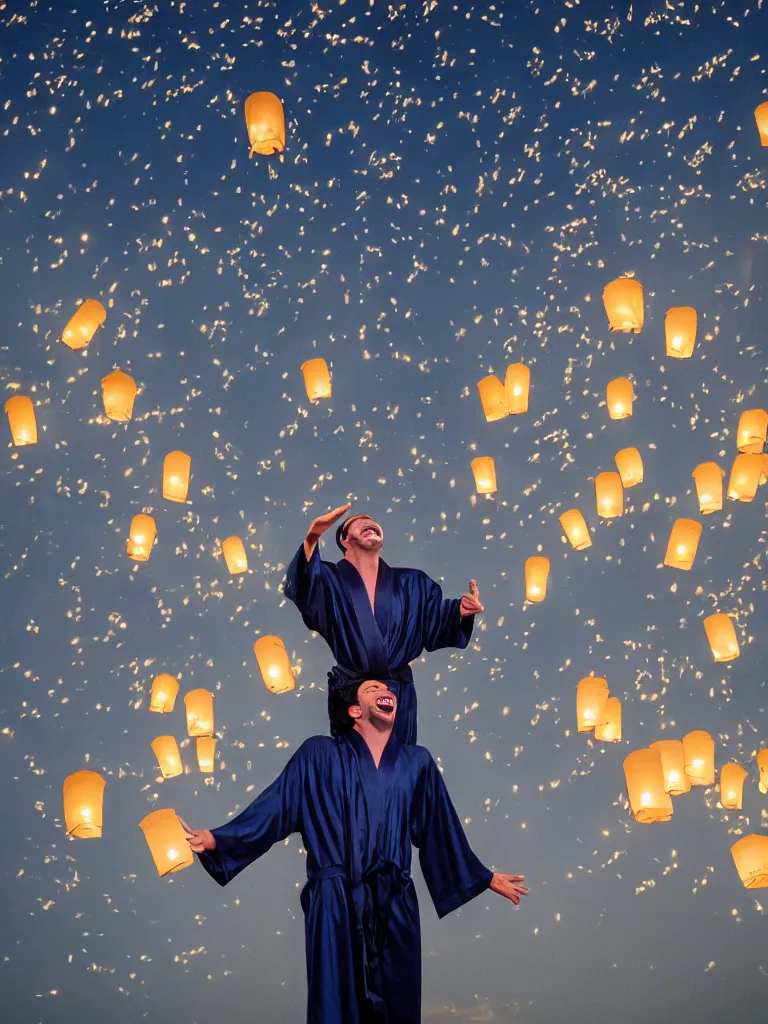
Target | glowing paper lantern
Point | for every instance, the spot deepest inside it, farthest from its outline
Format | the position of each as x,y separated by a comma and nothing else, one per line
673,766
199,705
81,328
163,695
274,664
492,398
623,301
619,396
206,752
233,550
709,487
731,785
517,384
84,804
141,538
118,391
21,419
176,470
317,379
168,757
761,116
265,120
721,634
575,528
752,431
750,855
683,543
762,767
680,331
591,701
609,495
699,751
167,841
645,786
629,463
484,471
610,731
745,477
536,576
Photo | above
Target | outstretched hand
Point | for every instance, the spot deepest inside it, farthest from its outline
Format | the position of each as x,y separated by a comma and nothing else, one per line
509,886
199,839
321,523
470,603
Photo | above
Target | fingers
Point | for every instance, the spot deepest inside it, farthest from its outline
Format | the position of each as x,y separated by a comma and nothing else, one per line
473,588
338,512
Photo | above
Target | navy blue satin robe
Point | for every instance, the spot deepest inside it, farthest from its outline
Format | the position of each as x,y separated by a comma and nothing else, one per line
410,616
358,824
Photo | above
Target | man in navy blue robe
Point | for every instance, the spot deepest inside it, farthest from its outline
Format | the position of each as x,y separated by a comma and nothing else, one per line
360,801
376,619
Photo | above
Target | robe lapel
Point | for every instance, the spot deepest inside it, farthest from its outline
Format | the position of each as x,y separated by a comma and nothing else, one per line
369,626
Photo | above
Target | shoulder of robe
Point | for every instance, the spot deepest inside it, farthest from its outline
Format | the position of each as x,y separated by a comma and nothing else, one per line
316,747
420,755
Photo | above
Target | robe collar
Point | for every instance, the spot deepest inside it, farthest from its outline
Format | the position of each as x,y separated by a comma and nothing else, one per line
373,623
365,757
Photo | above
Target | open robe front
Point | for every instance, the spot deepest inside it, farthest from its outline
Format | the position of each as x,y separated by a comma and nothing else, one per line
410,616
358,824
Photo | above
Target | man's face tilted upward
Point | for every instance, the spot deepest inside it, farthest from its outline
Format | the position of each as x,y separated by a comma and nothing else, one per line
365,533
375,704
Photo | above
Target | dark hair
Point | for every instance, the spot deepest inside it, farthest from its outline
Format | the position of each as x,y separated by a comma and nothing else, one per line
340,700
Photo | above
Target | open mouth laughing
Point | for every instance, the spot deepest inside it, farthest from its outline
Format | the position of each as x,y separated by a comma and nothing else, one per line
371,530
386,703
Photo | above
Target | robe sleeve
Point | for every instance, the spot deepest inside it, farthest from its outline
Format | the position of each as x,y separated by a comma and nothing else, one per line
271,817
442,622
305,586
453,873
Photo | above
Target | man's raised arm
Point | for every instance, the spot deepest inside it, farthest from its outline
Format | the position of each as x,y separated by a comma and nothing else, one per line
319,526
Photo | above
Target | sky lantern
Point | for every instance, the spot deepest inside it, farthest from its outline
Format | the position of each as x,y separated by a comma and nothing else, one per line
610,731
699,751
762,767
732,778
761,116
233,550
745,477
750,854
575,528
84,804
167,841
484,470
645,786
709,487
86,321
623,301
118,390
199,705
591,699
683,542
21,419
609,495
536,576
680,331
673,765
168,757
721,634
493,398
752,431
274,664
141,538
176,470
629,463
517,384
317,379
206,752
619,396
265,121
163,695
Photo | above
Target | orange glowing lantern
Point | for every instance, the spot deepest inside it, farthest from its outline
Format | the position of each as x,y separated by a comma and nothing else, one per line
673,766
163,695
721,634
493,398
591,700
167,841
484,471
199,705
517,384
699,752
683,543
86,321
176,470
206,752
762,767
709,487
233,550
317,379
761,117
619,396
750,854
274,664
680,331
536,576
166,751
118,391
609,495
21,419
141,538
265,120
84,804
629,463
745,477
575,528
610,731
752,431
623,301
645,786
732,778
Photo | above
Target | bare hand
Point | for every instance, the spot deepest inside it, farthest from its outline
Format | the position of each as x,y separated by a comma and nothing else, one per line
509,887
470,603
322,523
199,839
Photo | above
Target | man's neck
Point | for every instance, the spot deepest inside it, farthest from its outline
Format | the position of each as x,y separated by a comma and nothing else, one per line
376,739
366,562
